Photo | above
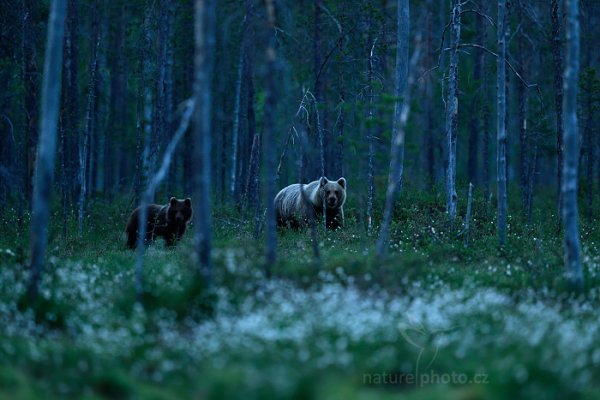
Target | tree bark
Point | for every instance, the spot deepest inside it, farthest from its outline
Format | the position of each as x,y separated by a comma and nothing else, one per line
400,117
474,122
468,216
159,134
236,111
485,116
571,150
370,123
118,102
89,125
558,95
319,91
430,141
452,112
589,143
205,43
44,173
501,133
71,95
29,76
269,136
524,140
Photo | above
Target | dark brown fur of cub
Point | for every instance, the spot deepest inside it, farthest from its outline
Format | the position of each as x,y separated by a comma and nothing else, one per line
168,221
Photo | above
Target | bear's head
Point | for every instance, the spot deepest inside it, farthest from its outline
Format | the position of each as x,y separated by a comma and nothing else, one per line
334,192
179,211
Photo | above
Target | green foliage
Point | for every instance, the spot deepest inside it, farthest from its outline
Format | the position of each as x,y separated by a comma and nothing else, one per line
290,337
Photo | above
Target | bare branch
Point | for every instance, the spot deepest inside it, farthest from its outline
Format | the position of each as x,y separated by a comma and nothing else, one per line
485,16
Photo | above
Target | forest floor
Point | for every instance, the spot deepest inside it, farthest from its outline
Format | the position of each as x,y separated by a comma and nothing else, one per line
433,320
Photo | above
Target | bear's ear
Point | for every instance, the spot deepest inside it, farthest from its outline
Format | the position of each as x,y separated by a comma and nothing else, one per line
342,182
188,202
173,201
323,181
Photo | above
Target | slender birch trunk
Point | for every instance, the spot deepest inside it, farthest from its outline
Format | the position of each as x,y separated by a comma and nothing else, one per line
269,136
29,75
89,126
524,140
468,216
203,61
44,173
401,111
589,143
452,111
485,116
236,111
571,150
558,96
302,138
501,133
371,155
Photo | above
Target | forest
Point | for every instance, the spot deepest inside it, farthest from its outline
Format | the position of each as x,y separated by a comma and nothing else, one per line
294,199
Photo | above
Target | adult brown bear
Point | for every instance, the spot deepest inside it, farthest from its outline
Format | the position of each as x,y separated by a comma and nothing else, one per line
293,210
168,221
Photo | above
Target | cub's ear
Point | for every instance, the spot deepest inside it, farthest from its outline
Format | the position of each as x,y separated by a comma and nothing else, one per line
188,202
342,182
173,201
323,181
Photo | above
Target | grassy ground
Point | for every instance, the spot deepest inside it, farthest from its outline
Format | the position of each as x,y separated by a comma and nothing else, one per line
432,320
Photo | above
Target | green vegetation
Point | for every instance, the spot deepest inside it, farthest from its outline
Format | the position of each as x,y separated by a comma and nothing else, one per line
462,323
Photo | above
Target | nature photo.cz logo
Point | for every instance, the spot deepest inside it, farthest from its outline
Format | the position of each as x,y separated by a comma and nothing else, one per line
422,338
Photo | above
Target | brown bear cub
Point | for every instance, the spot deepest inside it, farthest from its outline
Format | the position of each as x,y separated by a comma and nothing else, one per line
293,211
168,221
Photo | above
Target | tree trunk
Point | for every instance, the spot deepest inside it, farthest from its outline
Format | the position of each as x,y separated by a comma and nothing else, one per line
485,116
44,173
371,154
236,111
452,112
468,216
89,125
474,122
269,138
29,76
430,141
400,117
571,150
589,143
71,95
319,92
63,179
252,191
116,121
169,97
159,134
558,94
501,134
524,141
205,43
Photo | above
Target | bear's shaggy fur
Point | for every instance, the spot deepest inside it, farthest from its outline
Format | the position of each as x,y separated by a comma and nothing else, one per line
294,211
168,221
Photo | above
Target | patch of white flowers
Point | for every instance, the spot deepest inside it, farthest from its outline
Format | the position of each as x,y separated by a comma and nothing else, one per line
319,326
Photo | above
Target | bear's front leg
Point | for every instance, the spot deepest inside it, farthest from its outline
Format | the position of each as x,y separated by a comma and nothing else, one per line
149,238
180,232
335,220
170,240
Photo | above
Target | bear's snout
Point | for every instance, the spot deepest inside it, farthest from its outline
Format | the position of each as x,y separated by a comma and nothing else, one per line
331,200
179,217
